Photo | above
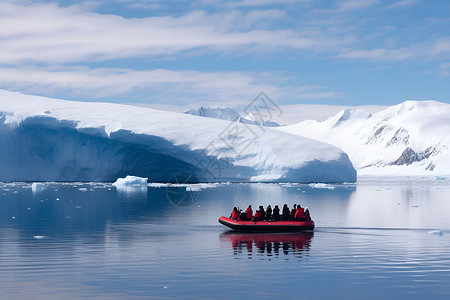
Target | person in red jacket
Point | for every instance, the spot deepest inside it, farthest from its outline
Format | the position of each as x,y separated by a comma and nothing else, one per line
235,214
249,212
257,216
299,213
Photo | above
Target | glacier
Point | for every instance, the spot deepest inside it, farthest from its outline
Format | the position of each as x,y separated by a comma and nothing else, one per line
44,139
408,139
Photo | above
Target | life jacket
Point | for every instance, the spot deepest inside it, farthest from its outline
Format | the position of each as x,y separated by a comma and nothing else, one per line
249,212
299,213
234,215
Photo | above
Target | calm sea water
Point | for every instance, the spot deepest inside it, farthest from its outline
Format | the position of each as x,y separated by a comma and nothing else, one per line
375,239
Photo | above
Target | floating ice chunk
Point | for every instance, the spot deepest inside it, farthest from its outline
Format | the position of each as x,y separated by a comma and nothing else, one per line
321,186
288,184
200,186
189,187
38,187
193,188
39,237
131,181
131,184
436,232
83,189
157,184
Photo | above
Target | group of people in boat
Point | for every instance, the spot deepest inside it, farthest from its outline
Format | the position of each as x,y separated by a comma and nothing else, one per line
297,213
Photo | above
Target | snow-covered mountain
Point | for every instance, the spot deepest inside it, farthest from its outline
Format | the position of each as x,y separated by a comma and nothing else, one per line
43,139
411,138
227,113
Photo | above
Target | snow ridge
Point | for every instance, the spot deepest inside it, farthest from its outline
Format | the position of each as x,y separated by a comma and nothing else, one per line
348,115
227,113
406,139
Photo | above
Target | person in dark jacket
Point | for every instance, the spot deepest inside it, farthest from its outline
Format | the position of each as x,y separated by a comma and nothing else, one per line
307,214
286,213
276,213
293,210
262,213
268,212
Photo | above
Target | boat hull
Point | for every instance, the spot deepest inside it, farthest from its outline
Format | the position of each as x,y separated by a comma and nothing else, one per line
267,225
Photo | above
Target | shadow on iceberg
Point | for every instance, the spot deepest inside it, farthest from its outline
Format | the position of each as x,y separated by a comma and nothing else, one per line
336,171
43,148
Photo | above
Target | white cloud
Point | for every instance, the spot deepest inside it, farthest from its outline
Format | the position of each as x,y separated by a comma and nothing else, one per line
250,3
386,54
165,86
441,46
48,33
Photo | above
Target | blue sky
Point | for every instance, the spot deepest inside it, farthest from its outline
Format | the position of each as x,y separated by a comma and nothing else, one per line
191,53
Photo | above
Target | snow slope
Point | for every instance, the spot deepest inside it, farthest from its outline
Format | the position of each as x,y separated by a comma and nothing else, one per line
43,139
227,113
411,138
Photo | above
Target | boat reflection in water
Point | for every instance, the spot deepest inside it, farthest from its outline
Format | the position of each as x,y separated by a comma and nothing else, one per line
269,245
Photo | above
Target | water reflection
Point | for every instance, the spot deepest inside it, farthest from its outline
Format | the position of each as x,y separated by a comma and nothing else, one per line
269,245
80,240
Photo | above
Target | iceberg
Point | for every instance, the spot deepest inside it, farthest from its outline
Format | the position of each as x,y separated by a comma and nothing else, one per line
44,139
131,184
37,187
131,181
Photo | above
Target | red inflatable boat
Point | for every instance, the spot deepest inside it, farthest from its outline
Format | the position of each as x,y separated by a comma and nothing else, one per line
267,225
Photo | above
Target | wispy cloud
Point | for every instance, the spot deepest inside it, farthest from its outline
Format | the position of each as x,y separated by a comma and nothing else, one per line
178,48
402,4
445,69
250,3
441,46
382,54
423,51
168,86
48,33
350,5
